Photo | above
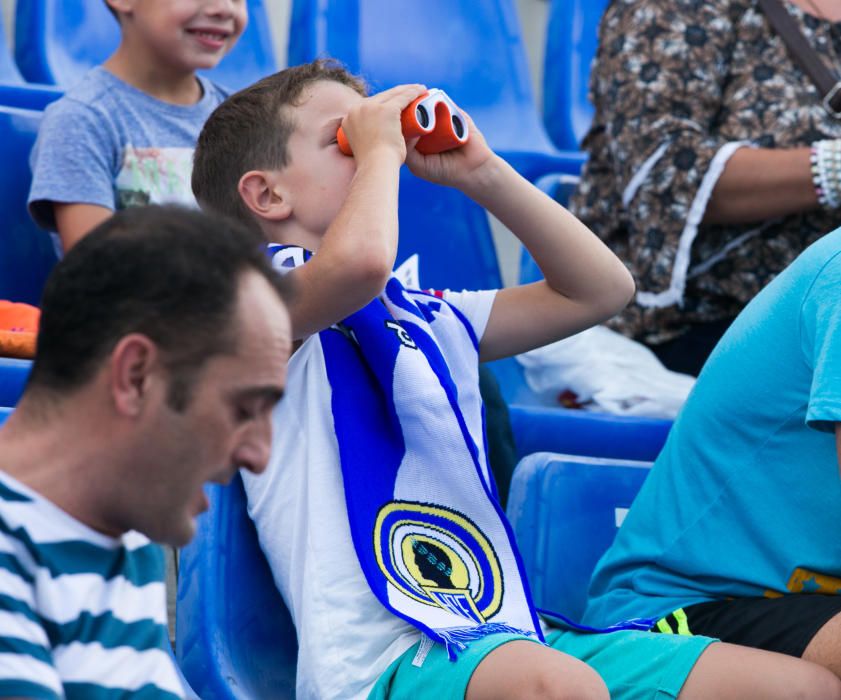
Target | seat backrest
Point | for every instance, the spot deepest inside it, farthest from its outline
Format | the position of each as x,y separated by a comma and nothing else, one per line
541,428
565,512
472,50
475,52
13,376
57,42
571,41
450,234
27,253
234,635
28,96
9,72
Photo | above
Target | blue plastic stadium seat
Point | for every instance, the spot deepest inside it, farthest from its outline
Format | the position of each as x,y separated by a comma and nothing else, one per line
541,428
27,253
5,412
450,234
9,72
571,40
587,433
473,51
565,512
13,375
28,96
234,635
57,42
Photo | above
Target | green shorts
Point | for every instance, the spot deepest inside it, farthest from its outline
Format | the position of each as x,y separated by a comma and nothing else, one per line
634,665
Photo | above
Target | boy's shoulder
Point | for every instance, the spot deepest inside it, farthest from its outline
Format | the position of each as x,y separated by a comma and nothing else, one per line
94,100
103,93
94,93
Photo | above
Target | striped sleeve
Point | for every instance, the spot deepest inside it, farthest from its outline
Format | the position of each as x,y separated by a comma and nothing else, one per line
26,664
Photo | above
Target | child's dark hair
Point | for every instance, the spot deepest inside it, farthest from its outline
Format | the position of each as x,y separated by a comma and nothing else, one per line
250,131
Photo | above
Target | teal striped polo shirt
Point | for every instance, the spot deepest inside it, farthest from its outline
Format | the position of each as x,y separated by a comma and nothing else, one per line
82,615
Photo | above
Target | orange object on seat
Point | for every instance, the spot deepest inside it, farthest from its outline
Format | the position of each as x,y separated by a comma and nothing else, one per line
18,329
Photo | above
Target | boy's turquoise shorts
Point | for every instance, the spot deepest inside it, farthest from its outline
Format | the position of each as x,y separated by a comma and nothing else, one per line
634,665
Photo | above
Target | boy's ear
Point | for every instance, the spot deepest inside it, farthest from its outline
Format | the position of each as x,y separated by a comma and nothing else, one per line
264,195
120,6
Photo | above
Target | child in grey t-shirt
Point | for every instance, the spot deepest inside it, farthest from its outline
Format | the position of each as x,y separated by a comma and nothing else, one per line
124,136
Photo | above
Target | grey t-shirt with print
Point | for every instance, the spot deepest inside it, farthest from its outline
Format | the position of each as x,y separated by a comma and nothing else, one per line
109,144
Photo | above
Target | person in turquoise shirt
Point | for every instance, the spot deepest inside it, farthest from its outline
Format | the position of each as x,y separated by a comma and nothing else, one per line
740,517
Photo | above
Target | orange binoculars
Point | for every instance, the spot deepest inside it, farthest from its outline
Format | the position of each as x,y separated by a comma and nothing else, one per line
434,117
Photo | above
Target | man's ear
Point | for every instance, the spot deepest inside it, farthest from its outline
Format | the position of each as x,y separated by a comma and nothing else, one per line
133,362
264,195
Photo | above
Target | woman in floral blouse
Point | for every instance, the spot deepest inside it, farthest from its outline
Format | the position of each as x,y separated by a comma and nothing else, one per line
699,174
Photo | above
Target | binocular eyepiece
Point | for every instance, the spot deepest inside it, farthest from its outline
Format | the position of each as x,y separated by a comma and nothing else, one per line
434,117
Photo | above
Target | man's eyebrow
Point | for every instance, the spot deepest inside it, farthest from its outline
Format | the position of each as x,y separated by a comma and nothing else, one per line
267,393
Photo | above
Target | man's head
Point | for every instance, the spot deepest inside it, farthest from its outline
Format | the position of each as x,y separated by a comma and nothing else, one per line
186,34
170,326
268,154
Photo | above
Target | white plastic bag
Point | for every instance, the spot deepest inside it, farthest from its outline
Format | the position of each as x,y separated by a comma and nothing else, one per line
606,372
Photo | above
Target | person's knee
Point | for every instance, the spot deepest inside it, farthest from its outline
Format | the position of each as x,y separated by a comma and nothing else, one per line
812,681
581,684
523,670
825,647
820,682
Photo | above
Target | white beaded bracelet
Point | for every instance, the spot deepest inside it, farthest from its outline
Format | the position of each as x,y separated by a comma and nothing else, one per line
825,158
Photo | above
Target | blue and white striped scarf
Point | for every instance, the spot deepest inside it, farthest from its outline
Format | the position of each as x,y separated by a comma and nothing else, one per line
428,530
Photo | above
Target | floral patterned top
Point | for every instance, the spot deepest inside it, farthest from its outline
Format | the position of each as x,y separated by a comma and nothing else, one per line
678,86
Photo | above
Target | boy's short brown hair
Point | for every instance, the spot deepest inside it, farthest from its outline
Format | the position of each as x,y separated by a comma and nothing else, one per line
250,131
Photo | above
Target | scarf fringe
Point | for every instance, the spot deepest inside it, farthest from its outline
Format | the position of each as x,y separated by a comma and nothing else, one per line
456,639
640,624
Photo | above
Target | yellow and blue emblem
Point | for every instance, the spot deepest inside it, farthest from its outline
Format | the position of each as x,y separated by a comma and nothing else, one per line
439,557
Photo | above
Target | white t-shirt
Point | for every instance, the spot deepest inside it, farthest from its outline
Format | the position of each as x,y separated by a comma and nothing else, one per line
346,637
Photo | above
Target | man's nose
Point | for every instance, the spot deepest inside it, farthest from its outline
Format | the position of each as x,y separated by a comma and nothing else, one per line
253,451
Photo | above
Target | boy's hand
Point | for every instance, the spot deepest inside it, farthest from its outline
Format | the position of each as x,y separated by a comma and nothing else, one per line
373,126
455,168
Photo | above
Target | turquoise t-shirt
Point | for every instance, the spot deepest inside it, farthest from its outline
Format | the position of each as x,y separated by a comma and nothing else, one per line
745,499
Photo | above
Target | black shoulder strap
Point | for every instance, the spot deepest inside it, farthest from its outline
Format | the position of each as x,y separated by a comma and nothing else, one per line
827,83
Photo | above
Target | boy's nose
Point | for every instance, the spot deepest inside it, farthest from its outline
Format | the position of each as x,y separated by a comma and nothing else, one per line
223,7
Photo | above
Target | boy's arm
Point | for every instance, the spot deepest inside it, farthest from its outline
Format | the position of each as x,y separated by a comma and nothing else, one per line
585,283
74,162
74,221
356,255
